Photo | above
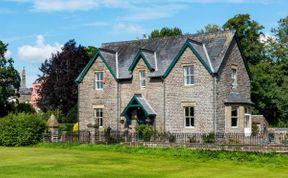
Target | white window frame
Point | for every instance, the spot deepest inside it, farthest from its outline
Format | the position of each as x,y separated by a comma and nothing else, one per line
189,117
237,117
187,74
98,116
234,77
142,78
97,80
247,115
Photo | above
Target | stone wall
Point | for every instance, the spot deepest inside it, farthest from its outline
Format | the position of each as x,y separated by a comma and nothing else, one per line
224,86
199,95
90,98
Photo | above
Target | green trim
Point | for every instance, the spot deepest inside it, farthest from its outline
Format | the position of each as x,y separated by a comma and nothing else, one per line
90,63
184,47
129,105
136,59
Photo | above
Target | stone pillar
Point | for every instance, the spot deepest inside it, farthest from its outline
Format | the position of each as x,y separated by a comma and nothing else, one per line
53,127
93,129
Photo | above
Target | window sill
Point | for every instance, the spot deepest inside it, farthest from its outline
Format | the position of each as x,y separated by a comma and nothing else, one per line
188,85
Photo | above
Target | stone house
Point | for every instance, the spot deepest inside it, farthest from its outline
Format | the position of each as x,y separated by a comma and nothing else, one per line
192,83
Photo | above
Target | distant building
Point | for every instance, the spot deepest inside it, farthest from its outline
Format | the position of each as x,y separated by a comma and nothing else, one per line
35,96
25,93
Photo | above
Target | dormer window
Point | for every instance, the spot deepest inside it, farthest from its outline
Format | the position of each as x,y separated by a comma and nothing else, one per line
99,81
234,78
142,78
188,75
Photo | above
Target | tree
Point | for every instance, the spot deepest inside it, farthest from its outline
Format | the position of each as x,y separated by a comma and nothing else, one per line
91,51
165,31
59,90
9,81
210,28
248,32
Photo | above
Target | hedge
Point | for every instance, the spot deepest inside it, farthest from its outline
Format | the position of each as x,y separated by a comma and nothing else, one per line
21,129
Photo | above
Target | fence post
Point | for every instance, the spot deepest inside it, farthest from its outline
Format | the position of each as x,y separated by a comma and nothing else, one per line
53,127
93,128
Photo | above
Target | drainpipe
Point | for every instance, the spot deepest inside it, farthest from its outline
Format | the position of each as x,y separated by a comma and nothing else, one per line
164,102
214,103
117,76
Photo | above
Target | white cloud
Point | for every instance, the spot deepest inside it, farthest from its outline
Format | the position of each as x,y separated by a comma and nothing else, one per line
96,24
265,37
38,52
130,28
8,54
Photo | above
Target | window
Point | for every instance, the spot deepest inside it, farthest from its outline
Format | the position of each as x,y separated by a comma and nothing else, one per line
189,116
234,117
99,116
234,78
189,75
99,81
142,78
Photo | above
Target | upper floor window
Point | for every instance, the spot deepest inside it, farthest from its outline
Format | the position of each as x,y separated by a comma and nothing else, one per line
189,75
142,78
98,113
234,78
234,117
99,80
189,116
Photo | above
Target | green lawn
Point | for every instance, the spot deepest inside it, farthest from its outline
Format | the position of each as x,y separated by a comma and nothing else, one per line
121,161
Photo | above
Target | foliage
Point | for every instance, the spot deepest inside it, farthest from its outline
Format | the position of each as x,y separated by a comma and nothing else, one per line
192,139
75,127
209,138
248,32
21,129
165,31
145,131
57,113
24,107
66,127
71,116
91,51
210,28
9,81
59,90
171,138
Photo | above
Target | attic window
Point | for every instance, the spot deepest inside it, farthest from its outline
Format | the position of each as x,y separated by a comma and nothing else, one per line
189,75
142,78
234,78
99,80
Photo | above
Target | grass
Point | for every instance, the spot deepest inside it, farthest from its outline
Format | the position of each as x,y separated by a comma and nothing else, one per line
58,160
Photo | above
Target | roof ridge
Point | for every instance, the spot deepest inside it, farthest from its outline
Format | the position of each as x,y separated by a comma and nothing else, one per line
167,37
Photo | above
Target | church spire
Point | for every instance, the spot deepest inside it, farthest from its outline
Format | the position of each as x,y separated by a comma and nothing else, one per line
23,78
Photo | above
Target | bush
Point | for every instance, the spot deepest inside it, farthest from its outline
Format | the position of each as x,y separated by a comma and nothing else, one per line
171,138
21,129
210,138
145,132
25,107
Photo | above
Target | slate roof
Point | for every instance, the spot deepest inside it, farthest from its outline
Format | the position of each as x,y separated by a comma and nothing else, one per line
211,48
237,98
146,106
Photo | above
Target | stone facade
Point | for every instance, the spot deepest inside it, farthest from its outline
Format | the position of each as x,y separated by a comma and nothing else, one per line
168,96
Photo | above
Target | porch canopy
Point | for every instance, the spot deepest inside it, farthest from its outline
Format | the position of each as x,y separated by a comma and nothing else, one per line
237,98
144,109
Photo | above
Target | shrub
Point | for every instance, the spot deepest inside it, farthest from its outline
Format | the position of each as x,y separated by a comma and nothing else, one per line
255,129
145,132
192,139
171,137
25,107
21,129
209,138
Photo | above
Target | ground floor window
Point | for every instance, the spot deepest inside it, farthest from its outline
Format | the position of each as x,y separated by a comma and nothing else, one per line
189,116
99,116
234,117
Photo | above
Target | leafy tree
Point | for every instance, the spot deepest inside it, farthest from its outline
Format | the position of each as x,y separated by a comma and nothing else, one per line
25,108
91,51
165,31
9,81
248,32
59,90
210,28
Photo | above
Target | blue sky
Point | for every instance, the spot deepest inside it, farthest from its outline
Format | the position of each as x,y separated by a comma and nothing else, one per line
36,28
